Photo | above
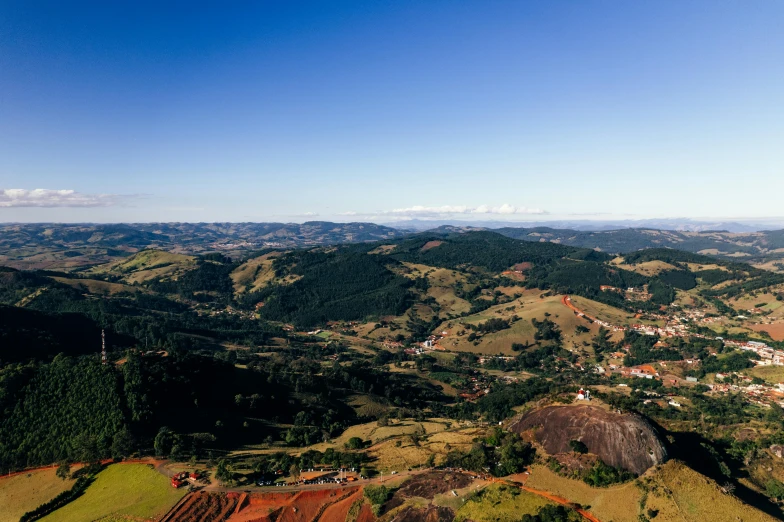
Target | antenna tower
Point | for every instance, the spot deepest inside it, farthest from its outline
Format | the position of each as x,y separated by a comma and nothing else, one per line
103,347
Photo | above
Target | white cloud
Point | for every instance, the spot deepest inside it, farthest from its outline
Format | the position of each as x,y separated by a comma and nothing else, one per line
347,213
420,211
56,198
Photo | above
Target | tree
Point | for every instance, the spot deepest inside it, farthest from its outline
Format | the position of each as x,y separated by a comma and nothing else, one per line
224,472
431,461
122,443
355,443
163,441
86,448
294,472
63,470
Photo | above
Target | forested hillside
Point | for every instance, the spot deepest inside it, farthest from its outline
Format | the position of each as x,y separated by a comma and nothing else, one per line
754,247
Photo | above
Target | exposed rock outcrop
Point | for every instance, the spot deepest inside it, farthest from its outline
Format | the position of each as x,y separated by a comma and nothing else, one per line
625,441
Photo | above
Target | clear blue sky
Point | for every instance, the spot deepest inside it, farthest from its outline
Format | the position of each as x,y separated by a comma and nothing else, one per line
287,111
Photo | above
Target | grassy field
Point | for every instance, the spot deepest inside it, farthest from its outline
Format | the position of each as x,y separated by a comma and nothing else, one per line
392,448
391,457
615,503
500,503
22,493
774,330
606,312
254,274
146,265
372,431
677,492
753,299
649,268
696,498
132,491
365,405
95,286
532,305
441,286
771,374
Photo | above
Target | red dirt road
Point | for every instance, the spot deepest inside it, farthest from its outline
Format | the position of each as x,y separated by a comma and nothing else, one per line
554,498
549,496
567,302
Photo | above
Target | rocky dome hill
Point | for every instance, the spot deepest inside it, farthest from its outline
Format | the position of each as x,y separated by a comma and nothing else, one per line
625,441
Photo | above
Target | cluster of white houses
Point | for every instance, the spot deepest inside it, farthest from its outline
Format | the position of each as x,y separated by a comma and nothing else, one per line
767,356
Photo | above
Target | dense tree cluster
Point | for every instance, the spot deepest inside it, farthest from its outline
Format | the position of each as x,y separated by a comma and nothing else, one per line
339,285
486,250
501,453
553,513
642,349
66,410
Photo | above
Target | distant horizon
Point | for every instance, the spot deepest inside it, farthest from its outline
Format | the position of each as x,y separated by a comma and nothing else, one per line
733,225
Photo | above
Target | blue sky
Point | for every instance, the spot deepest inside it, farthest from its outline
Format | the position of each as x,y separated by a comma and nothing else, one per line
290,111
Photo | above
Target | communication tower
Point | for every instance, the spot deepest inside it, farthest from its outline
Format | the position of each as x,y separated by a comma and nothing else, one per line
103,347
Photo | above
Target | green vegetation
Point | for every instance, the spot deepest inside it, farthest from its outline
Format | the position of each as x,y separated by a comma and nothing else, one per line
201,365
377,495
643,350
602,475
133,490
502,453
66,410
487,250
500,502
552,513
59,501
333,286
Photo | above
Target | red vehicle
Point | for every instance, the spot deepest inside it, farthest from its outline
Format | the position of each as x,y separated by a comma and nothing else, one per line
179,479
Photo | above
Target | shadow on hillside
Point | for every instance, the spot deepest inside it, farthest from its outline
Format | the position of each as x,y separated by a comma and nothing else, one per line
689,448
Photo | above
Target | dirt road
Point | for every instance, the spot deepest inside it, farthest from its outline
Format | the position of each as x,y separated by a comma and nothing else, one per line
549,496
567,302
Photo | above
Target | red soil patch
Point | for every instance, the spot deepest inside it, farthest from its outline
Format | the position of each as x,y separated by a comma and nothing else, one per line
522,267
560,500
775,330
324,505
430,244
366,514
338,512
200,506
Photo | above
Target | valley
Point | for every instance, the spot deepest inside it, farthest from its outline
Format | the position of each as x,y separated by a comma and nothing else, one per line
396,358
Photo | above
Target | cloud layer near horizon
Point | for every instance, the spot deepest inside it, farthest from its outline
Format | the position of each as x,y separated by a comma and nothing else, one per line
55,198
446,211
505,209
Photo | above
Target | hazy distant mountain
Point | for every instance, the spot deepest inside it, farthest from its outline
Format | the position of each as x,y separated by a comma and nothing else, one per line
677,224
68,246
75,246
